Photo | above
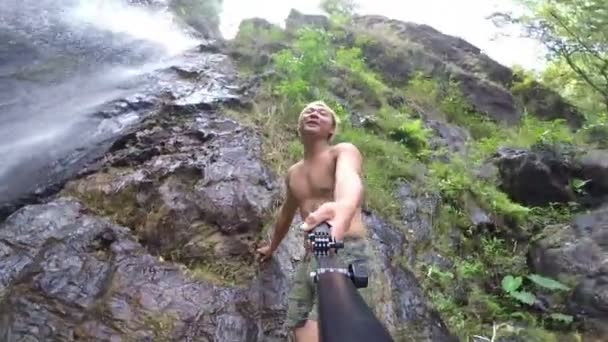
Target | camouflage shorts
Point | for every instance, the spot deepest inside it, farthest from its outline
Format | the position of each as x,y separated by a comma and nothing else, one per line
302,300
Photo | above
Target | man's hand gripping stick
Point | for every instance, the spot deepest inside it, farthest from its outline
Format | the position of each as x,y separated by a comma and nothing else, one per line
322,242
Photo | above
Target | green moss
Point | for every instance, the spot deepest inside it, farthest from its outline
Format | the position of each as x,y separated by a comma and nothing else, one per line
228,272
161,324
121,206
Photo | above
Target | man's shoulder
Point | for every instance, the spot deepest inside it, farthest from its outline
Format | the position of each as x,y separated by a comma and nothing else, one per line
345,147
293,169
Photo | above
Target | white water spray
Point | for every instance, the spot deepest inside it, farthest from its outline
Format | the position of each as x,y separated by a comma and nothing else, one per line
143,23
72,56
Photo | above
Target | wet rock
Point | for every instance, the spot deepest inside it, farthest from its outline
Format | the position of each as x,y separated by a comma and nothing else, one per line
577,254
192,187
71,276
193,81
534,178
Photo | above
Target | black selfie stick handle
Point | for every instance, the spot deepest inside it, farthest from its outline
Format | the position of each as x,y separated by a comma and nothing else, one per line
343,314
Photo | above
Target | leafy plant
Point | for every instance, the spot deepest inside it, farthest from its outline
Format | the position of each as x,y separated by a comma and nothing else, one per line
412,134
547,283
511,286
561,317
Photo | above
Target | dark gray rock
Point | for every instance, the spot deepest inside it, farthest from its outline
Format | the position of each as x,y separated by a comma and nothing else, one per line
193,82
488,98
577,254
534,178
401,302
447,135
547,104
191,186
74,276
481,219
418,210
594,170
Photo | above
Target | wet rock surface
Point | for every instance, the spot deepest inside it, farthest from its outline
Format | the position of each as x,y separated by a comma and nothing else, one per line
68,275
155,238
189,182
189,82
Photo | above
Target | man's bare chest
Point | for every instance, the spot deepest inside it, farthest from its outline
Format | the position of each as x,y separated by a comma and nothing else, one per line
313,182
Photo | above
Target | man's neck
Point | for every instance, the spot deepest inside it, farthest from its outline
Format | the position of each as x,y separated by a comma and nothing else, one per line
313,148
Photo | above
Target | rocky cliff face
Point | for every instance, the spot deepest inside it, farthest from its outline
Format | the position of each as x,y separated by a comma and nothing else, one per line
399,50
155,240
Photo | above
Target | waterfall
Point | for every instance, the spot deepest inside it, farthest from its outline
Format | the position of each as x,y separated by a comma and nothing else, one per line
60,60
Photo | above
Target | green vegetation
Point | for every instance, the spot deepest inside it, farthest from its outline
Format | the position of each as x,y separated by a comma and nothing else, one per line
573,32
489,284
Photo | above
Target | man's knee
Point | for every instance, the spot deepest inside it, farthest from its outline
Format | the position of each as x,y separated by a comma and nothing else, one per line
309,332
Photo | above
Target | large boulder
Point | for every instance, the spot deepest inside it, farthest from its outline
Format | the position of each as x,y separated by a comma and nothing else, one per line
577,254
534,178
553,174
398,50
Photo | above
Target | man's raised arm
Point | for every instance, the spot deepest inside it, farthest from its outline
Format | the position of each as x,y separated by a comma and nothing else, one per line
348,192
283,221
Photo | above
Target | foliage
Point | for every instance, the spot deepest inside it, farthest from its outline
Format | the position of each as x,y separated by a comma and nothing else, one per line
548,283
472,294
303,67
340,11
573,31
511,286
455,179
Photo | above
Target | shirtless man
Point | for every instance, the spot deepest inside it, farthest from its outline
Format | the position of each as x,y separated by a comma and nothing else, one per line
325,186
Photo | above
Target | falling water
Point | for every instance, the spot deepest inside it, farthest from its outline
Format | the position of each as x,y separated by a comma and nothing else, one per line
62,59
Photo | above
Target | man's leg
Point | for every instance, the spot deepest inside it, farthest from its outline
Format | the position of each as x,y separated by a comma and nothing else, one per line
301,300
307,333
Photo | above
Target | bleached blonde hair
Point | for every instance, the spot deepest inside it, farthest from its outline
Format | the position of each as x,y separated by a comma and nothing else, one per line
322,104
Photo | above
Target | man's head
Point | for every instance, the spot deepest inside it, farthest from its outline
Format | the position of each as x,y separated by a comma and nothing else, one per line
318,120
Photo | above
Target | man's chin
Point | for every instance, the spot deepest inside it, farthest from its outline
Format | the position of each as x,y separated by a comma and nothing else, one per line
312,134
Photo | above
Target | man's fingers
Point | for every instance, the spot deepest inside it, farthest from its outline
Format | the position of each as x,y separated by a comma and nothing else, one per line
323,213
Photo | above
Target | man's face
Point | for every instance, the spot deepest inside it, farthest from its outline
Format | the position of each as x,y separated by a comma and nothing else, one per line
316,121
